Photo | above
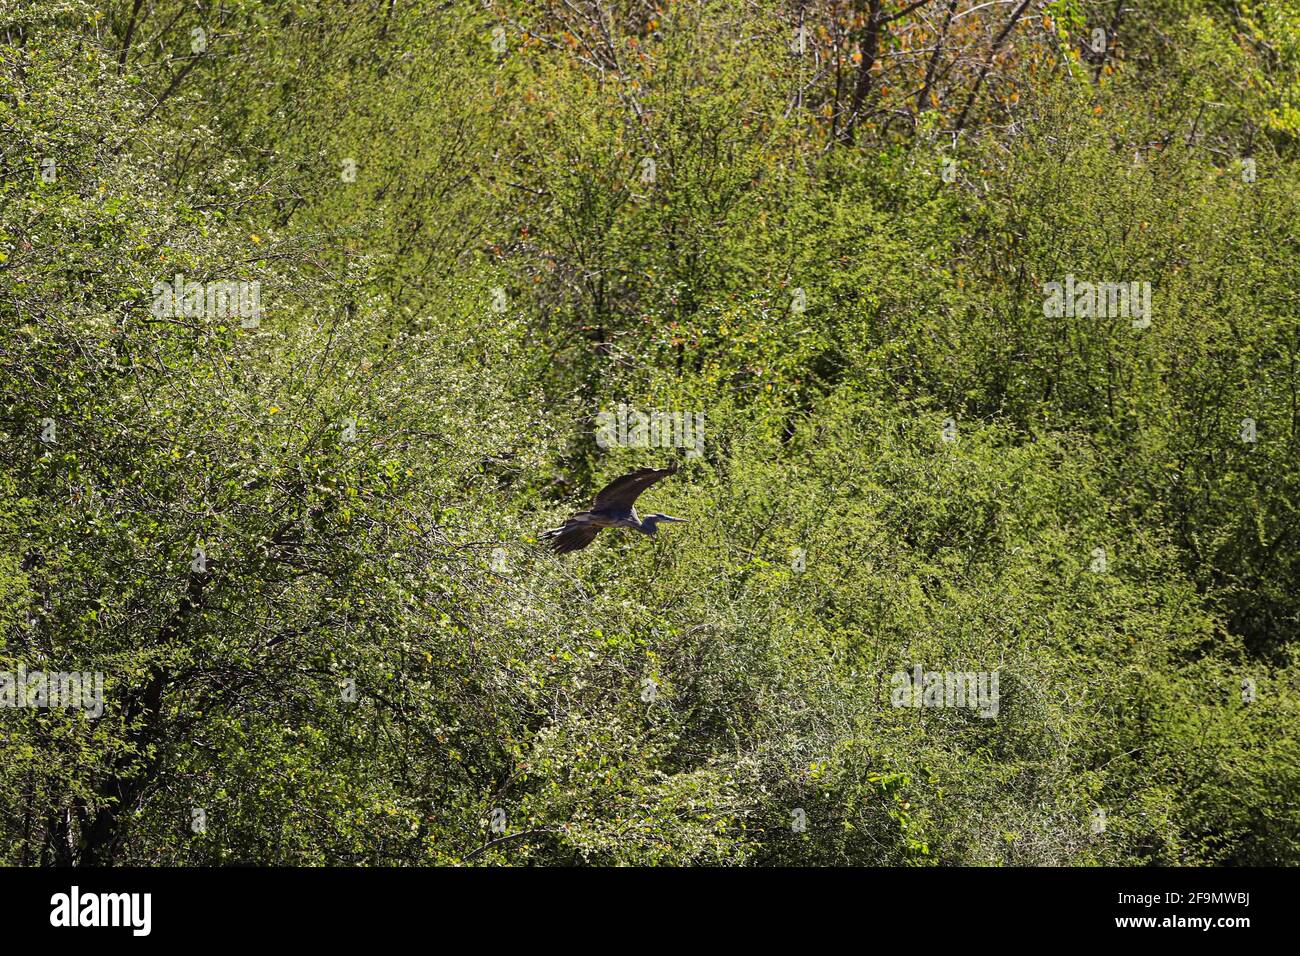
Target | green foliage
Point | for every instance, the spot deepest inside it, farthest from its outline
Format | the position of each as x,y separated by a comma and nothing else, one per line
375,664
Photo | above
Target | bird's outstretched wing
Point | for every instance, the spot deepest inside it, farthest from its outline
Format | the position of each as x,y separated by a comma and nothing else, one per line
574,535
622,492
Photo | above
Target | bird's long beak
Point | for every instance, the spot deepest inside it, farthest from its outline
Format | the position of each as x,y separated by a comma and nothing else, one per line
671,518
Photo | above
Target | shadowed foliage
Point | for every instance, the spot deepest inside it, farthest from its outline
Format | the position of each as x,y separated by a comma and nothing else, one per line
300,542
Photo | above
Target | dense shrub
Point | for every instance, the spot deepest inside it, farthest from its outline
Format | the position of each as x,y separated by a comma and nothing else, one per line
302,551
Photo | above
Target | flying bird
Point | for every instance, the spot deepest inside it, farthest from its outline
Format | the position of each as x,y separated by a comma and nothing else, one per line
614,507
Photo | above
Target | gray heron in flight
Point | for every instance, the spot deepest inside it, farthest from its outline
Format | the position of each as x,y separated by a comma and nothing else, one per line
614,507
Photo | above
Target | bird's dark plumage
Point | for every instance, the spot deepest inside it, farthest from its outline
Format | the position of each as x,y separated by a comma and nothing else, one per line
623,491
571,536
614,507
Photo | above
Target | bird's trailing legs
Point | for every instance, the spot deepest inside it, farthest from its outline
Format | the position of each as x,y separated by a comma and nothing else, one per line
614,507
